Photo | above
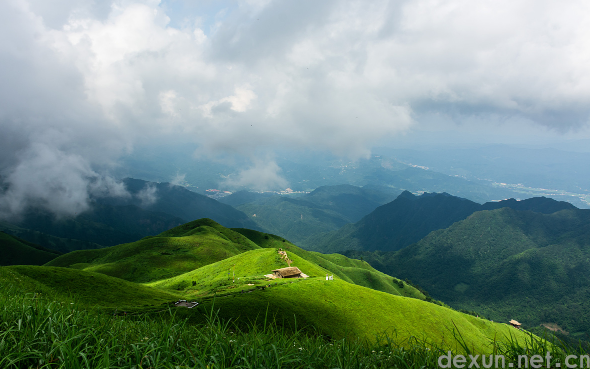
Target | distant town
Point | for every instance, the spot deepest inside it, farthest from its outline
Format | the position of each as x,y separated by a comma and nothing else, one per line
218,194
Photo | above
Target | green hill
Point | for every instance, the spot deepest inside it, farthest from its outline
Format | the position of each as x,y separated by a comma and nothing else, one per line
506,264
334,309
16,251
236,270
347,269
176,251
198,261
237,289
249,269
92,289
202,242
338,309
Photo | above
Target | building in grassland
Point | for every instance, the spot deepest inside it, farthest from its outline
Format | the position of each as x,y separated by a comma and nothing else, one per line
290,272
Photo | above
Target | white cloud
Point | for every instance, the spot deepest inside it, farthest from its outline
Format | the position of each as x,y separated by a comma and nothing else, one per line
50,179
148,195
240,101
263,175
167,102
178,180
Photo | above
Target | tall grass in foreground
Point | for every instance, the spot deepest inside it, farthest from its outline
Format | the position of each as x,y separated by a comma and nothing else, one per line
37,333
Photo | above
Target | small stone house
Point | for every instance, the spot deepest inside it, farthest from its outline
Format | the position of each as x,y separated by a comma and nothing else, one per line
290,272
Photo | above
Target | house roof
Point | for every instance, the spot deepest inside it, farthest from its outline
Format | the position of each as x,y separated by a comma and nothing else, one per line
514,322
286,272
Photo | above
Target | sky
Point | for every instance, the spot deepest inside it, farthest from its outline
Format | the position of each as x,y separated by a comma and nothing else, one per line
85,82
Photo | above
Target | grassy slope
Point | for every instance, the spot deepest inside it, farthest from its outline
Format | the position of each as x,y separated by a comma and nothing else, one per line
349,270
176,251
335,308
250,267
339,309
20,252
90,288
247,267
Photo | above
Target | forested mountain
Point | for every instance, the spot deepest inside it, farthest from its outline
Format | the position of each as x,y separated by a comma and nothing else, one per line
182,203
410,218
149,209
505,264
537,204
60,244
103,224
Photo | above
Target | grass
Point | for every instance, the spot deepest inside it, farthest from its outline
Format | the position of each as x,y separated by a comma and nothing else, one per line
331,310
342,310
36,332
245,267
350,270
93,289
335,309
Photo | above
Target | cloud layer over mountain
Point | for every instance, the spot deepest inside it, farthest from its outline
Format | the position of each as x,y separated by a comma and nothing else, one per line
84,81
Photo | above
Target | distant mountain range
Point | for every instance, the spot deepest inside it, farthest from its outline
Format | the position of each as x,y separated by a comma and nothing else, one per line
59,244
184,204
301,217
308,171
150,209
409,218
